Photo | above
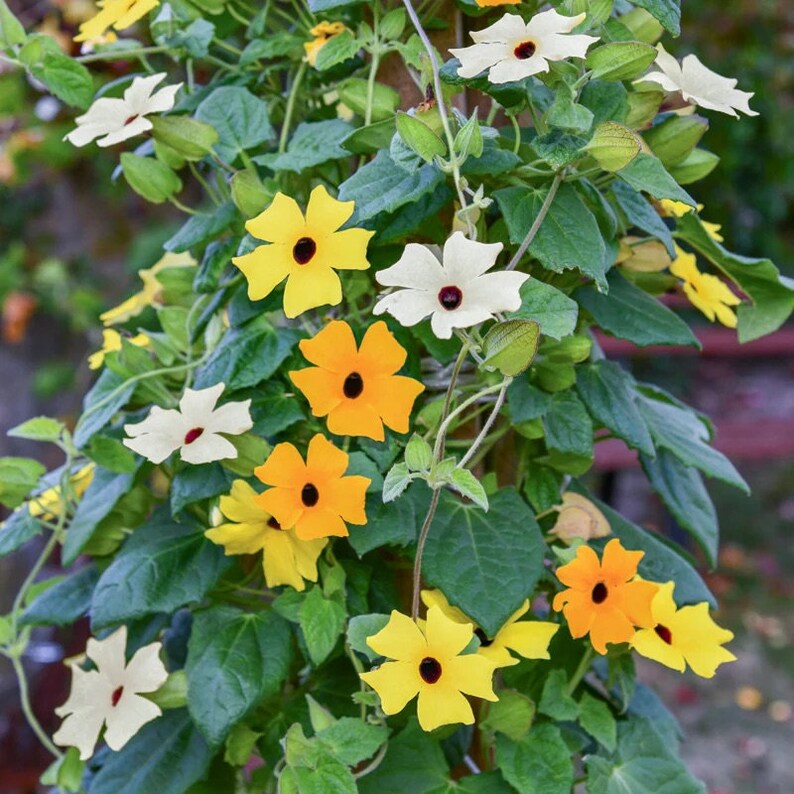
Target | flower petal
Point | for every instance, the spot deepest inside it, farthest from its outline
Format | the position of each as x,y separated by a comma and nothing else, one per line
242,538
446,638
442,705
333,348
466,259
282,222
284,467
129,715
396,684
400,639
310,286
264,268
326,214
324,461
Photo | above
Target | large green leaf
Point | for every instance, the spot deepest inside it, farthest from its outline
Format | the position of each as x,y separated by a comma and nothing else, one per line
193,483
641,215
322,621
682,490
668,12
109,394
569,433
540,763
569,236
17,530
466,551
610,395
772,295
549,307
197,229
235,659
240,118
630,313
646,173
162,567
166,756
65,602
311,144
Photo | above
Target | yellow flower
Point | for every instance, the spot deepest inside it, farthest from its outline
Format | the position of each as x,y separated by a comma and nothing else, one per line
150,294
429,663
322,33
578,517
305,251
529,638
312,497
683,636
677,209
118,14
707,293
602,599
488,3
48,504
111,342
286,560
356,388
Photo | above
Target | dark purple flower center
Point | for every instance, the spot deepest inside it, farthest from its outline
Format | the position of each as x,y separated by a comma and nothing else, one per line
273,524
430,670
600,593
353,386
116,696
450,297
525,50
193,434
310,495
304,250
131,119
664,633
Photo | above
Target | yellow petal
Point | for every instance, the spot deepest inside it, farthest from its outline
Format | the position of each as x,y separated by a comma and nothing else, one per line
264,268
472,674
529,638
399,639
310,286
238,538
442,705
446,638
278,562
435,598
325,214
240,504
396,684
282,222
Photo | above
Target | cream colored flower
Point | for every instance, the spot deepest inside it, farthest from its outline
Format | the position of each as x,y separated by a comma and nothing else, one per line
110,696
698,84
512,49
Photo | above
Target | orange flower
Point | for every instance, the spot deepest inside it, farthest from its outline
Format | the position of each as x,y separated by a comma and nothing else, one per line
601,599
313,497
356,388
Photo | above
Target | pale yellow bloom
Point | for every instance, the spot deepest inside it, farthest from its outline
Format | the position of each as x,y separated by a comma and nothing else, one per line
48,505
118,14
322,33
706,293
677,209
111,343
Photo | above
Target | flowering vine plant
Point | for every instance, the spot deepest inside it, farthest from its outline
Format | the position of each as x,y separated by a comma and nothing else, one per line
324,507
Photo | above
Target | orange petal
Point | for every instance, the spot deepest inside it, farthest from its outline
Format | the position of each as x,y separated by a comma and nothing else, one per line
323,389
324,461
393,397
284,504
636,599
380,352
356,418
619,565
319,523
348,496
284,467
583,572
610,626
333,348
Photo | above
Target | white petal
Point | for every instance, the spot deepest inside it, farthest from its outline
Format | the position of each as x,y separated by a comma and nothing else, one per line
162,100
559,47
140,90
711,90
551,22
466,259
207,448
159,421
417,268
442,322
145,672
515,69
127,131
504,30
109,655
197,405
154,448
129,715
670,66
479,57
408,306
661,79
496,292
232,418
81,730
85,711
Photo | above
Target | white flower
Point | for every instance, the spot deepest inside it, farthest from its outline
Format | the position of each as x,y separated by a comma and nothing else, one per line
110,695
698,84
119,119
194,428
514,49
456,292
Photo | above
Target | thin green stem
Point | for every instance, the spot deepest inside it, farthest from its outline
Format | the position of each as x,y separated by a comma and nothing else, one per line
488,423
293,93
581,670
119,55
224,45
183,207
27,709
203,182
420,548
517,132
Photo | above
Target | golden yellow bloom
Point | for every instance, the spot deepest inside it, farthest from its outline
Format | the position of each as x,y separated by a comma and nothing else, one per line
602,600
529,638
429,663
356,388
305,251
488,3
578,517
683,636
48,504
286,559
706,293
150,294
322,33
111,342
118,14
313,497
677,209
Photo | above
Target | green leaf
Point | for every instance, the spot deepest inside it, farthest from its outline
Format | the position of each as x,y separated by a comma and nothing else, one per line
312,144
366,140
677,428
250,196
69,80
510,346
382,186
200,228
18,477
538,764
568,237
640,214
596,718
526,402
511,715
466,484
397,479
111,454
160,568
337,50
327,5
630,313
17,530
418,454
42,428
193,139
556,701
569,430
465,553
150,178
354,93
772,295
351,740
646,173
610,395
668,12
469,141
194,483
247,356
420,137
613,146
362,626
235,659
321,621
551,309
65,602
558,148
328,777
697,165
103,401
11,30
166,756
620,60
682,490
99,499
240,745
566,114
673,140
240,119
